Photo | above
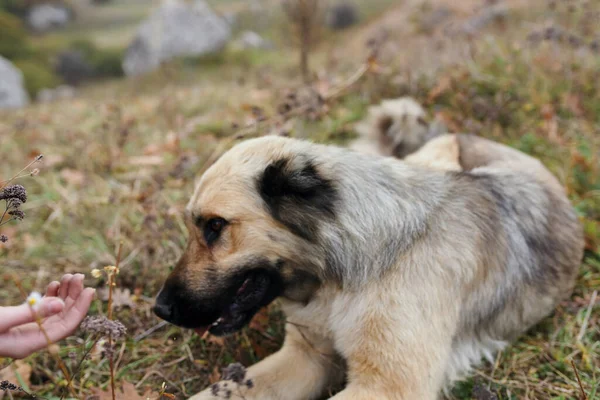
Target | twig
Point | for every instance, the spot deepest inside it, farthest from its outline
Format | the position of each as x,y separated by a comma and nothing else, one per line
583,395
336,92
586,319
36,159
150,331
111,278
78,367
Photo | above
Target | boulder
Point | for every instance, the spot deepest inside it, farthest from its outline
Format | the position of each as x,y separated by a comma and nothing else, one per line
175,29
47,16
12,89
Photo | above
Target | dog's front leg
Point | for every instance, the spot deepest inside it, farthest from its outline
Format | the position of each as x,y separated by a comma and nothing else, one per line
396,339
302,369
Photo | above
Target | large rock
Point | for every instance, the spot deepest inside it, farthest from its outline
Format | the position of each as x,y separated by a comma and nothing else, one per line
175,29
12,91
47,16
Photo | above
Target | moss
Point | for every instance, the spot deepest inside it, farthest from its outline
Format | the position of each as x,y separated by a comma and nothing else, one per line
37,76
13,37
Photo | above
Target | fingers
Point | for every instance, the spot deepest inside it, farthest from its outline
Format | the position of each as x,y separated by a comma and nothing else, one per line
76,286
52,290
64,286
61,326
19,315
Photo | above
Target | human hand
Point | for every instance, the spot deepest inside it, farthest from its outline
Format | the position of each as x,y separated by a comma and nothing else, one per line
62,309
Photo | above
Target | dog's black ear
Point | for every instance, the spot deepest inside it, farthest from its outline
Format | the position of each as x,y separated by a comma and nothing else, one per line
384,123
297,195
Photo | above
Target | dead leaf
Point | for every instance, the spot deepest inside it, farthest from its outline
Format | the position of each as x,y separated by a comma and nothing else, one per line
443,85
152,149
215,375
72,176
219,341
446,118
18,373
548,111
120,297
574,104
128,391
146,160
260,321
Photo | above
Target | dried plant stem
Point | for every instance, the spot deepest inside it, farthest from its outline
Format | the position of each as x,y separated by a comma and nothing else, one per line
17,175
111,283
586,319
80,363
38,320
583,395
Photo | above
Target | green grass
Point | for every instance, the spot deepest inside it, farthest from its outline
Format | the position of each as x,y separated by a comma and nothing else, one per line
537,99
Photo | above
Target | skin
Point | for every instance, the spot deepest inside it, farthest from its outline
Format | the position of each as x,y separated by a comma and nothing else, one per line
62,309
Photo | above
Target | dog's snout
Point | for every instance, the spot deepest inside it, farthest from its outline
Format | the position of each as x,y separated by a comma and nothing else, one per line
164,311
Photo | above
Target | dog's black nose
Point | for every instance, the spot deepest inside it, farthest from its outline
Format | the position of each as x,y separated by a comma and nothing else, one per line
164,311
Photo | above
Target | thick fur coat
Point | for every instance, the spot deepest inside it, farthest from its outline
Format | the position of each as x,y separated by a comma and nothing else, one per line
396,276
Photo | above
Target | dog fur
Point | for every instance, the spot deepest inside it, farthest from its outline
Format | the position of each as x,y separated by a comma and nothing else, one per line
394,128
396,276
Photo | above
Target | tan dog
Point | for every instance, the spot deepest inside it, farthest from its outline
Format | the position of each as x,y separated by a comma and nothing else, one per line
395,127
396,277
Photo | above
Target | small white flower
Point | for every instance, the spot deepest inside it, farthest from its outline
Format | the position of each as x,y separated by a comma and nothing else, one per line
96,273
34,300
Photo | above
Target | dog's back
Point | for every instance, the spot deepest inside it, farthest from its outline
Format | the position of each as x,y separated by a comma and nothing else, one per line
529,237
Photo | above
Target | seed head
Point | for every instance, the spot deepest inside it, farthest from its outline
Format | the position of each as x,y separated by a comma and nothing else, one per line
6,385
14,192
103,326
3,238
17,214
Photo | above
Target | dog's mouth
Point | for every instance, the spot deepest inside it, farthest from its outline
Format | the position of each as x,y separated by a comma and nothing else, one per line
258,289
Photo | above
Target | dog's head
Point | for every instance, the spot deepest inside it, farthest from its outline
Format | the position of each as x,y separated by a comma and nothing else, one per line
253,224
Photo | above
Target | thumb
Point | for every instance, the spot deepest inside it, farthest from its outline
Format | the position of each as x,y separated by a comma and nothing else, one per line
19,315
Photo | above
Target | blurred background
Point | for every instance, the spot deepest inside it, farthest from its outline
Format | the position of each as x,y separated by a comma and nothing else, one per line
130,100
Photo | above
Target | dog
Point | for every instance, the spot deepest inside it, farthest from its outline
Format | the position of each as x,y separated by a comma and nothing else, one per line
396,277
395,128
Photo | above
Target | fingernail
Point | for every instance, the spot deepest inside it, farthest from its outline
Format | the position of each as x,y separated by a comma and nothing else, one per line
55,305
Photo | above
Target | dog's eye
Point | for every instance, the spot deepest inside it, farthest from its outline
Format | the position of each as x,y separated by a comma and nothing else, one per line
212,229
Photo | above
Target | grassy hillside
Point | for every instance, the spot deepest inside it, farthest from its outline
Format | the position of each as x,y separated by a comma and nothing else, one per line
120,162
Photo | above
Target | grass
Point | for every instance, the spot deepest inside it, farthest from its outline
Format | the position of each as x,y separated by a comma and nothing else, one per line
121,160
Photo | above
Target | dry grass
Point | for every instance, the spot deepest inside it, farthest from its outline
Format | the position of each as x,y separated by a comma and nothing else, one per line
121,160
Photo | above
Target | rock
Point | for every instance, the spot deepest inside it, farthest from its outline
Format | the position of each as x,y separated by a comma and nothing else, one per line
341,16
61,92
12,90
231,18
175,29
252,40
47,16
73,68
